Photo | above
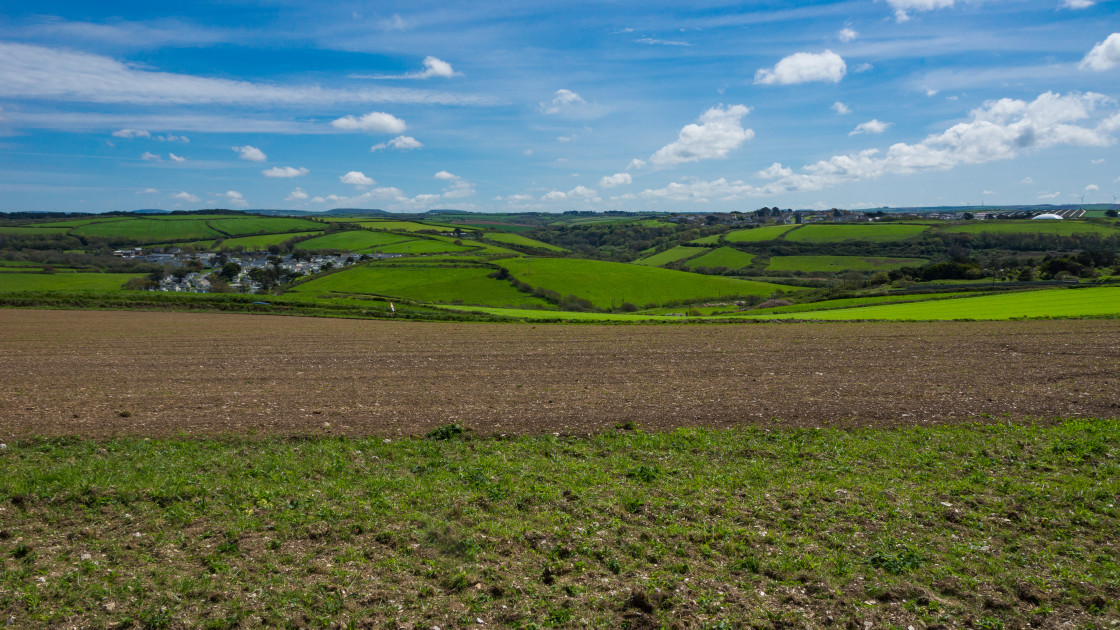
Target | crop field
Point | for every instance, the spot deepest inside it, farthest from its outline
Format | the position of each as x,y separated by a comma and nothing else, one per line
604,283
1087,302
817,475
722,257
838,232
860,301
1060,228
356,241
767,233
841,263
670,255
255,225
408,226
150,230
425,283
253,243
10,282
516,239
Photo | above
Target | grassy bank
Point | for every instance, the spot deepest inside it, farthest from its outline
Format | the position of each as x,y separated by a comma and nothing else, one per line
987,526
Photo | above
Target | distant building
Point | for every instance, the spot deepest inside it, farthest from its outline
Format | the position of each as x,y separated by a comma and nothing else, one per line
1047,217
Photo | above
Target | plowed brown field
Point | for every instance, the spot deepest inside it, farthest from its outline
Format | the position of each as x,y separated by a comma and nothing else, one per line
166,374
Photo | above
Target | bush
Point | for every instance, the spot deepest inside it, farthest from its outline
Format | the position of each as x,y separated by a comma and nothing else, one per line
446,432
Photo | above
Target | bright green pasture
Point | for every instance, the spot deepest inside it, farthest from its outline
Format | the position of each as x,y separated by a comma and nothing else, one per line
10,282
410,226
1066,303
504,227
70,223
262,225
841,263
262,241
423,246
860,301
516,239
32,229
723,257
570,316
424,283
670,255
607,283
707,240
354,241
837,232
1059,228
766,233
150,230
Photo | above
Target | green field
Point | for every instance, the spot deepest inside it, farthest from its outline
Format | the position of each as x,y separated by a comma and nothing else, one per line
355,241
10,282
516,239
707,240
723,257
504,227
838,232
262,225
861,301
607,283
423,246
32,229
1058,228
1088,302
841,263
423,283
253,243
670,255
409,226
981,526
767,233
149,230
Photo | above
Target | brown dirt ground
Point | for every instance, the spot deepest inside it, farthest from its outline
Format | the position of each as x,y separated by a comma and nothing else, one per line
103,374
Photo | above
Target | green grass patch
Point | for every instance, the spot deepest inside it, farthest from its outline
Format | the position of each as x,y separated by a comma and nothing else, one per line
1065,227
149,230
722,257
607,283
765,233
409,226
426,246
423,283
841,263
838,232
1048,303
517,239
33,229
674,254
861,301
354,241
10,282
254,243
259,225
982,526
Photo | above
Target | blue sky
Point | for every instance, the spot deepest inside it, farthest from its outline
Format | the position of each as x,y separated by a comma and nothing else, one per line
552,106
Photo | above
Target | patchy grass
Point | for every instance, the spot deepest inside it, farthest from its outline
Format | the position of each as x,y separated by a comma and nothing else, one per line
838,232
983,526
680,252
842,263
723,257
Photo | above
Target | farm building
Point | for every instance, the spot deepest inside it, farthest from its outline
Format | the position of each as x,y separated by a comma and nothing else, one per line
1046,217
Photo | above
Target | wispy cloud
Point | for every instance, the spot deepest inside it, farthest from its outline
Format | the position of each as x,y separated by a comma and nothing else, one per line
185,196
873,126
433,67
402,143
563,101
662,42
841,108
176,158
297,195
37,72
903,8
378,122
234,199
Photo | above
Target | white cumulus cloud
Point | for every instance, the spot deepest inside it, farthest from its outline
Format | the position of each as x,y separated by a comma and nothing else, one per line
1049,195
1104,56
804,67
402,143
636,164
176,158
873,126
379,122
433,67
297,195
717,133
618,179
841,108
356,178
131,133
445,175
1092,188
251,153
150,157
284,172
234,199
847,34
185,196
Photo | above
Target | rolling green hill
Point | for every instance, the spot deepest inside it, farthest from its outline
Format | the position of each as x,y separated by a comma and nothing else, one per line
838,232
607,283
841,263
723,257
670,255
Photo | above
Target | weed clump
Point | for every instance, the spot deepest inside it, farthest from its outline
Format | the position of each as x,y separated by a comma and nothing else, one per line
445,432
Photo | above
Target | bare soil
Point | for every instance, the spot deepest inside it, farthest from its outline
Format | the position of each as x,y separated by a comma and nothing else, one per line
99,374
